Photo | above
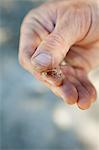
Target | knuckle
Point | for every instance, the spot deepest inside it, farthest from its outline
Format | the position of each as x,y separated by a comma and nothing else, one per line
59,42
24,27
26,20
23,24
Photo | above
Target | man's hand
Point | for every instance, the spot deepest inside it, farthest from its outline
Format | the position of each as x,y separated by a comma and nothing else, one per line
59,45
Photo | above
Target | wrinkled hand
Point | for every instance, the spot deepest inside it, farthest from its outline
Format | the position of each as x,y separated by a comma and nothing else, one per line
59,45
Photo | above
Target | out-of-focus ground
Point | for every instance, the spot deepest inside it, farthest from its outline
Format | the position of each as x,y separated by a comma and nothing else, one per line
31,117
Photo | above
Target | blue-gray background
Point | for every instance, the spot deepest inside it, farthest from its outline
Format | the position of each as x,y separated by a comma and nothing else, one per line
31,117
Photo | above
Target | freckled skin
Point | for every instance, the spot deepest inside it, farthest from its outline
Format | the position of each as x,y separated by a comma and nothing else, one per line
69,32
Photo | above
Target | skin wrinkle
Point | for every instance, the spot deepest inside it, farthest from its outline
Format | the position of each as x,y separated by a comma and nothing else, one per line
26,50
68,16
47,27
73,61
43,37
91,36
49,14
28,29
85,12
90,25
40,30
51,45
87,53
75,24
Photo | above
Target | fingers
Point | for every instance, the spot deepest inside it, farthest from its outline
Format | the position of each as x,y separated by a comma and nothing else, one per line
61,86
75,88
42,49
68,92
50,53
31,34
87,95
86,84
83,101
29,41
71,27
74,23
86,91
46,46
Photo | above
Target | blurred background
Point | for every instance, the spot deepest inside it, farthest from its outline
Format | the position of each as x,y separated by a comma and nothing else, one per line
31,116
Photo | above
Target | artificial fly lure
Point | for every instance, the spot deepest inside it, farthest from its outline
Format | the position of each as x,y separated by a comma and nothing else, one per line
55,76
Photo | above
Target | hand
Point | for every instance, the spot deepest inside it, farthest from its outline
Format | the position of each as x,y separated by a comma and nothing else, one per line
59,45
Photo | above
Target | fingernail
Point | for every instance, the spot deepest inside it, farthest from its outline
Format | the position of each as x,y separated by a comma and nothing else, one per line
42,60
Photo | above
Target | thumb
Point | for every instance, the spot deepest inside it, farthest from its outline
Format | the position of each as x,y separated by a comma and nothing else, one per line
69,29
50,53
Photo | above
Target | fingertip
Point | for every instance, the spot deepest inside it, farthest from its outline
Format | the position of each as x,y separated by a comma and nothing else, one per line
84,99
69,93
90,89
84,104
